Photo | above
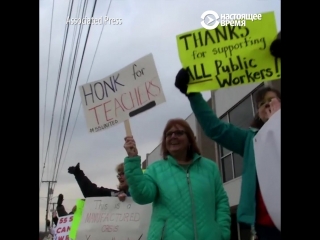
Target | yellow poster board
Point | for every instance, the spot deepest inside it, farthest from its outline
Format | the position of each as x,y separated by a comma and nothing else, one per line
76,219
230,55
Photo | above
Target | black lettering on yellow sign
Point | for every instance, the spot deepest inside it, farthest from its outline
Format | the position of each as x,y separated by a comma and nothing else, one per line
227,73
204,38
198,73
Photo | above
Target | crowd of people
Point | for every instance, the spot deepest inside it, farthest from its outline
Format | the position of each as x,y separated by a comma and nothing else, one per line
189,200
58,212
188,196
88,189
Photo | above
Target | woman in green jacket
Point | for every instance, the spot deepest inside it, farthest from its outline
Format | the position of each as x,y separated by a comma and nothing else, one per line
189,201
251,209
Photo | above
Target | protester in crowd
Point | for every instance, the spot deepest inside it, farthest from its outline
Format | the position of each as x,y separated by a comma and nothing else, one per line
123,185
60,208
51,228
251,209
55,217
90,189
189,201
275,47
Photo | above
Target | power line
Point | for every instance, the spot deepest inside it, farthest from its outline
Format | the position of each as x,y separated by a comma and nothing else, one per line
63,109
57,87
56,170
45,95
71,77
86,82
57,162
70,81
61,61
83,53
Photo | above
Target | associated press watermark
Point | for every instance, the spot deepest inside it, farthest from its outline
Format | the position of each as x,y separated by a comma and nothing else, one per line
211,19
105,20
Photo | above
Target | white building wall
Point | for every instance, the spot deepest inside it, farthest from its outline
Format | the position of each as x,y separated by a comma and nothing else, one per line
193,123
226,98
156,154
233,189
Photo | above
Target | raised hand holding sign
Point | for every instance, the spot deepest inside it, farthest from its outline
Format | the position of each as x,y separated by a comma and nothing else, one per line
275,47
130,146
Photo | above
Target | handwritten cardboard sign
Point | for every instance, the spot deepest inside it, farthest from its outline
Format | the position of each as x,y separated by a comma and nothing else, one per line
230,55
126,93
109,219
63,228
267,150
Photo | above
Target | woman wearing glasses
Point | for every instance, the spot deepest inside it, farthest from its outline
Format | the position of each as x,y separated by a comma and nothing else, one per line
251,209
123,186
189,201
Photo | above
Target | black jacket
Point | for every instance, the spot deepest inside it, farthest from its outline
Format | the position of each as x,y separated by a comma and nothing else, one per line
55,220
90,189
62,212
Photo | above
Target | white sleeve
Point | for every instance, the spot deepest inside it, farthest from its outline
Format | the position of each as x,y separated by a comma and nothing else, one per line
52,231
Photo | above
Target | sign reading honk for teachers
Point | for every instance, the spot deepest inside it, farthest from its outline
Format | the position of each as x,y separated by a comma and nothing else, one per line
126,93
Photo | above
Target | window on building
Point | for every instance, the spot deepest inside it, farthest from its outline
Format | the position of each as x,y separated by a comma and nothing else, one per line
240,115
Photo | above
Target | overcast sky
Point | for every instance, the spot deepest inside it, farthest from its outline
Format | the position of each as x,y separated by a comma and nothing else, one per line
147,27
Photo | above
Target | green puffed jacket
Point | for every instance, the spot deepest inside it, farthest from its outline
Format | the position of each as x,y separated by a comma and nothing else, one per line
188,204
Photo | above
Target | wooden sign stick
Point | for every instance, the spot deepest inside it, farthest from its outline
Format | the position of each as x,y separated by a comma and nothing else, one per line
128,128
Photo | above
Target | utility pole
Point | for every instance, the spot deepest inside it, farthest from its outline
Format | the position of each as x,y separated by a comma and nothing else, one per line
53,204
48,200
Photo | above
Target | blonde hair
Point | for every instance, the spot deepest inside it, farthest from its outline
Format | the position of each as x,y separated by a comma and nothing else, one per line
120,168
122,186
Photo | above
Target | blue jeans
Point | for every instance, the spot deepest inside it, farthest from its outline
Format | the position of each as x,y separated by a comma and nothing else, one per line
268,233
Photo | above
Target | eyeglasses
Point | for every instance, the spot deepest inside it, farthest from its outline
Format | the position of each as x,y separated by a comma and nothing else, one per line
120,174
177,133
265,102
